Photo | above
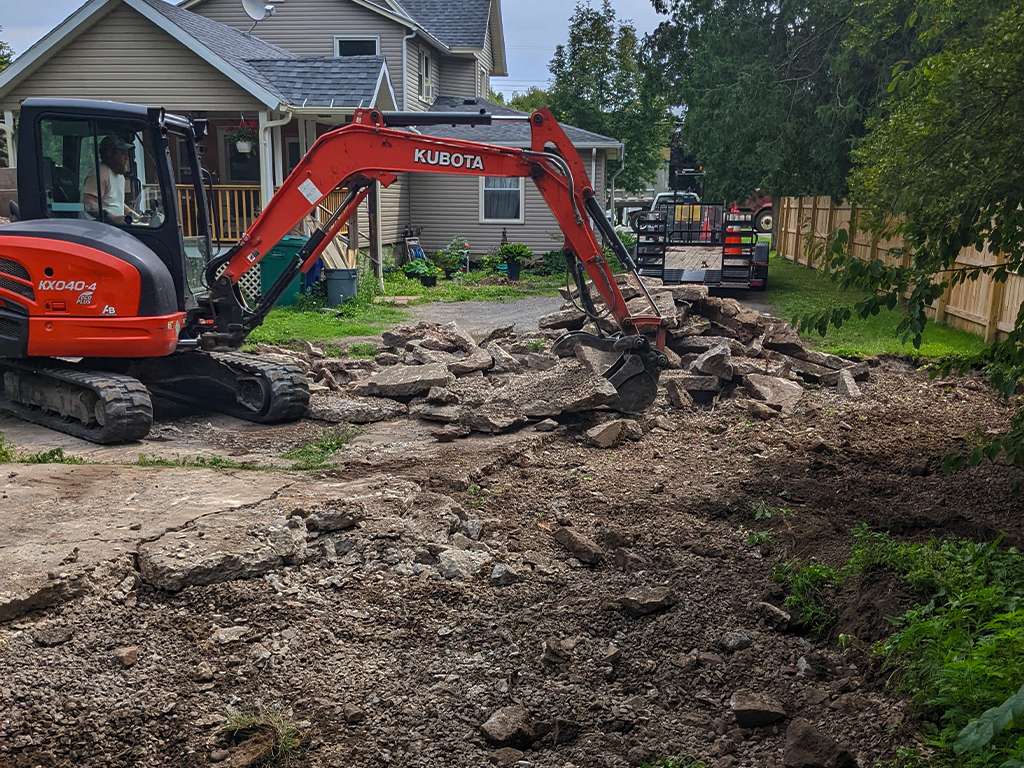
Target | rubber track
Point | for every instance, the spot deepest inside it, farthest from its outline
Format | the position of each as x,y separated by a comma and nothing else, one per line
128,407
289,388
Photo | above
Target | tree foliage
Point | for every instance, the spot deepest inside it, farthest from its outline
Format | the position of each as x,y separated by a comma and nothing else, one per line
601,82
529,100
6,57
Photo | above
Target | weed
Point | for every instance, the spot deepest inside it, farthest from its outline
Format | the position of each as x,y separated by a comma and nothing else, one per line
810,599
196,462
316,454
959,652
759,538
677,762
52,456
287,738
6,450
536,345
363,349
762,511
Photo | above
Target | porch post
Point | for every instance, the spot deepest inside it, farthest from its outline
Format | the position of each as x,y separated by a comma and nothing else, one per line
12,141
266,161
278,158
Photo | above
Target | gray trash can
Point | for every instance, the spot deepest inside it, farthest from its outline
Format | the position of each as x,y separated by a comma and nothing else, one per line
341,285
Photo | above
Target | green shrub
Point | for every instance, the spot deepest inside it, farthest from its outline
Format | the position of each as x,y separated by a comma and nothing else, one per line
811,589
550,263
453,257
420,268
513,253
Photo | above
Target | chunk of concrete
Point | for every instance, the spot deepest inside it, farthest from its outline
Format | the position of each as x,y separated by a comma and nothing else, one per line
781,394
565,319
354,410
509,726
847,386
405,380
717,361
607,435
582,547
755,710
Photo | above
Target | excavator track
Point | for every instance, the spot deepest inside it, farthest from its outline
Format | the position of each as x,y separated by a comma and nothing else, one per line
243,386
101,407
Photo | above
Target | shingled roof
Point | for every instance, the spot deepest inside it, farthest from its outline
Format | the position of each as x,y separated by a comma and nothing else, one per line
457,25
324,82
506,133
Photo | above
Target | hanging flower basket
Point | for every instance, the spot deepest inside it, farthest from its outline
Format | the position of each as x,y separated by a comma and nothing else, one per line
244,137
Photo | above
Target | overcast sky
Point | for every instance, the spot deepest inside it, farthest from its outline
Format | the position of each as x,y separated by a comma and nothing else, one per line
532,30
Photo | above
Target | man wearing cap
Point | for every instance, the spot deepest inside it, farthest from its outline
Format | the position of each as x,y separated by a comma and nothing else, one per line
115,156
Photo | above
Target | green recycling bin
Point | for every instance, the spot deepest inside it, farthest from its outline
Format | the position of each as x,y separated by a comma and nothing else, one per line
275,262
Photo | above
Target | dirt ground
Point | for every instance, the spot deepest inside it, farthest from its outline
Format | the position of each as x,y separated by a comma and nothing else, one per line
390,637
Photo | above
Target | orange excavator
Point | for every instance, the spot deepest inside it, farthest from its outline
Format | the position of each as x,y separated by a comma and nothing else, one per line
107,298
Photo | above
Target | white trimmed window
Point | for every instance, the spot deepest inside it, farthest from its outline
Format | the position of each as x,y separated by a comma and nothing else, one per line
356,46
502,200
424,83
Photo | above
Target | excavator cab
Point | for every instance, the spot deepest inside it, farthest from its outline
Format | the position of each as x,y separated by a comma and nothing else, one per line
112,163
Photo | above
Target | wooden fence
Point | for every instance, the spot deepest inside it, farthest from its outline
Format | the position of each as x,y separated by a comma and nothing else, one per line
984,306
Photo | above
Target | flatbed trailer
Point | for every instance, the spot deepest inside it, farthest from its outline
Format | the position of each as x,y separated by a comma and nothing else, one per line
702,244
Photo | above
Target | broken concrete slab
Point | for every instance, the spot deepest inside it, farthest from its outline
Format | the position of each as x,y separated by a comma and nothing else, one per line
351,502
405,380
337,409
565,319
240,544
755,710
779,393
717,361
608,434
847,385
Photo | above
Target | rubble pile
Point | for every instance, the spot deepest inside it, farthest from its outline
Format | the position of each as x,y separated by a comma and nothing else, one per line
716,348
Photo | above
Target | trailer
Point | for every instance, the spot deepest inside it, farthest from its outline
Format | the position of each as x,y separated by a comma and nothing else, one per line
701,243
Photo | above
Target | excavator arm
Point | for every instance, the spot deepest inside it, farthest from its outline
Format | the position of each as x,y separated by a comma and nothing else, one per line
374,148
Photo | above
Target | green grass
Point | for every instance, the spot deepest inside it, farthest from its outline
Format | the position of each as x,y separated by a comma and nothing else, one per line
196,462
288,324
958,653
315,455
239,726
474,286
363,349
795,290
6,451
9,455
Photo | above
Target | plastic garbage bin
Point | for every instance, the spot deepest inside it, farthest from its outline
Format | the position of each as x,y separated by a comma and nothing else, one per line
275,262
342,285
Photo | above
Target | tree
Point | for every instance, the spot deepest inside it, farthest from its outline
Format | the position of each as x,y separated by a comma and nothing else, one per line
600,83
529,100
942,166
768,100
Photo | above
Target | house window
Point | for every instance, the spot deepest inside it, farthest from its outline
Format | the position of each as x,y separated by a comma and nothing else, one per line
426,89
483,83
356,46
501,200
238,168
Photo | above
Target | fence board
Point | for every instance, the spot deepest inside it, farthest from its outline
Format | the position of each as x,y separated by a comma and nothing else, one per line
980,306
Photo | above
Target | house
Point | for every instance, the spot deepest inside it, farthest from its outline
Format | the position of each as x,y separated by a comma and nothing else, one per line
296,74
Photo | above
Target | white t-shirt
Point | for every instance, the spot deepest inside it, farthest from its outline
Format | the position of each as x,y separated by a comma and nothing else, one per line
112,188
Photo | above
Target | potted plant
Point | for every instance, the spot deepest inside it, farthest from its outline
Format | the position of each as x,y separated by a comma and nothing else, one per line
244,136
512,255
423,270
454,257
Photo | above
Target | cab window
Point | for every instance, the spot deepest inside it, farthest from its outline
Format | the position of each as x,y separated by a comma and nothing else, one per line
102,170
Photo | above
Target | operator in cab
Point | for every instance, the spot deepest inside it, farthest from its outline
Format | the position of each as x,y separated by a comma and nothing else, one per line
115,162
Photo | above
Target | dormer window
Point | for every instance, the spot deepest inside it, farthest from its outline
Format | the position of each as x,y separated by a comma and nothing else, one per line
356,46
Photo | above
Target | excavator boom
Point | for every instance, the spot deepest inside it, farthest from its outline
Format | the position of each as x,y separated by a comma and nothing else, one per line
373,148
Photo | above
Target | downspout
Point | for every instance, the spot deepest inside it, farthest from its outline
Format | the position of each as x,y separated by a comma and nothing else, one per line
267,126
405,69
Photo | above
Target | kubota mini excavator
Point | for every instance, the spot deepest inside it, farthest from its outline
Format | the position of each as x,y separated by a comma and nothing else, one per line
104,300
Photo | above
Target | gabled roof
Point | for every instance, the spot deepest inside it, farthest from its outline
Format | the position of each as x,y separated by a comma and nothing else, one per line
271,74
457,25
506,133
327,82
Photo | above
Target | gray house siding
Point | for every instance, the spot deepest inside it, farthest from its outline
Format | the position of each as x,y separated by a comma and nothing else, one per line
416,48
123,56
308,27
446,206
394,210
486,60
458,77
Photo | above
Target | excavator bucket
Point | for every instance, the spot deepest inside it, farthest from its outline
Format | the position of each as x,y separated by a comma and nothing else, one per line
630,363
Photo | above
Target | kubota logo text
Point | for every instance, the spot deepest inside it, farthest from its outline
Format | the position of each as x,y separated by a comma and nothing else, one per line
448,159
